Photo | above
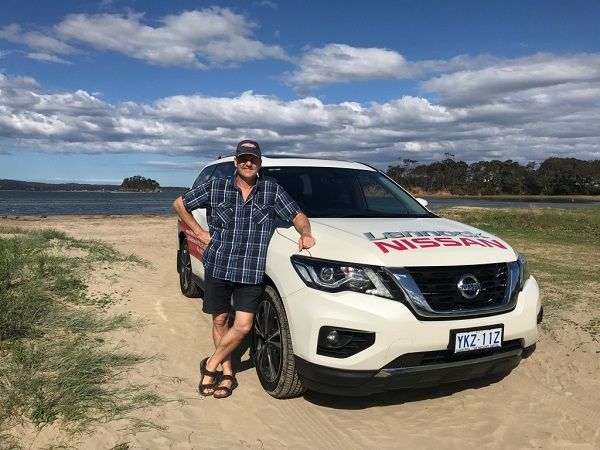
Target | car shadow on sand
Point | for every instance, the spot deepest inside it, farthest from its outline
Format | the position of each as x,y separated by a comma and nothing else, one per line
399,397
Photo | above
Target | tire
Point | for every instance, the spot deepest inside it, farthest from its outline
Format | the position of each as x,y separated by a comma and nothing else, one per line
184,267
272,350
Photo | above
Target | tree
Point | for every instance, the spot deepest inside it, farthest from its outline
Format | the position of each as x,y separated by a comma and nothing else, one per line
138,183
554,176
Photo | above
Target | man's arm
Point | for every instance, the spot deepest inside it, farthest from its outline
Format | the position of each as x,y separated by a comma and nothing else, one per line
189,220
302,226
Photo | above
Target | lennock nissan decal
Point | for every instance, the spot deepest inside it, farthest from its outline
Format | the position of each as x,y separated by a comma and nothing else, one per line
410,240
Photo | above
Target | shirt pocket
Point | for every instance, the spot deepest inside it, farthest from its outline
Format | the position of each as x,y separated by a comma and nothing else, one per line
260,213
225,214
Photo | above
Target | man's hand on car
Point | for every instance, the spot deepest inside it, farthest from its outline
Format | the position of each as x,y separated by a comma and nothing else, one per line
204,237
306,241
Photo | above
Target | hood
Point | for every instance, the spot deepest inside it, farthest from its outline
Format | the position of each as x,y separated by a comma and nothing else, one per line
404,242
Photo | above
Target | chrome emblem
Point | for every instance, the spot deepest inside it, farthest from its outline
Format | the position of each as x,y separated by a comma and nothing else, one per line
468,286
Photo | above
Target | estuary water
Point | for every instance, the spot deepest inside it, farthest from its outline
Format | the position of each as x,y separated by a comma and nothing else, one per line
31,203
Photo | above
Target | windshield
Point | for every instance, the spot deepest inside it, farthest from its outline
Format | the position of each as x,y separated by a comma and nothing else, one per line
336,192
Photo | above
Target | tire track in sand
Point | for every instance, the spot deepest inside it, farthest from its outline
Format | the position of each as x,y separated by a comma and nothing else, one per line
324,433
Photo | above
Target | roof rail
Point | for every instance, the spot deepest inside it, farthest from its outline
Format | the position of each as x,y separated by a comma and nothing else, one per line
225,155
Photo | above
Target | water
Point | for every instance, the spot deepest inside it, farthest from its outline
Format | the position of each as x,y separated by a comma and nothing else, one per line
27,203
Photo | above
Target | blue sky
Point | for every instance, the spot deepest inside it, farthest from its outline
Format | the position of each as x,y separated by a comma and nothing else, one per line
95,91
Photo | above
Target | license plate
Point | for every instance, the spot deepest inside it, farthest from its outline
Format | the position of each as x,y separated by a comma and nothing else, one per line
465,341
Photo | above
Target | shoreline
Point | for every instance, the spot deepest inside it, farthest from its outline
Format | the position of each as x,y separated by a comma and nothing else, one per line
524,198
436,195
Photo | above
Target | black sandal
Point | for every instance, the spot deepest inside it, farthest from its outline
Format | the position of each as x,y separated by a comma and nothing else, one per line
204,372
228,390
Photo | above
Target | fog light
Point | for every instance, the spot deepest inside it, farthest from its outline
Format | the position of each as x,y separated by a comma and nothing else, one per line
333,338
342,342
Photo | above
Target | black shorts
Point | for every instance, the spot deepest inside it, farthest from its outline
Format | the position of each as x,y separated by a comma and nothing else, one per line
218,294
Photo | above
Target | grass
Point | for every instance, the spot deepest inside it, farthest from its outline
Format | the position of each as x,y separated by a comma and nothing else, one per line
561,246
593,327
574,225
57,365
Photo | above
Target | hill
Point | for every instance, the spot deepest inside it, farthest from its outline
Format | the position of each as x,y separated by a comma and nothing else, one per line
17,185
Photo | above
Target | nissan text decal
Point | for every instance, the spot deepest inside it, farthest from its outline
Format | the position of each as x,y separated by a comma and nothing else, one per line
410,240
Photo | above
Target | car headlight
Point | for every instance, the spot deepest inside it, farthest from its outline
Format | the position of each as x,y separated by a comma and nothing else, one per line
335,276
524,273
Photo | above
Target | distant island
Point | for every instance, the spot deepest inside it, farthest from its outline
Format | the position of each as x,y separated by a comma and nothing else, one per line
139,184
136,183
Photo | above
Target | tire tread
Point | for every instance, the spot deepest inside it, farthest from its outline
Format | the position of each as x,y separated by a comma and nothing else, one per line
289,384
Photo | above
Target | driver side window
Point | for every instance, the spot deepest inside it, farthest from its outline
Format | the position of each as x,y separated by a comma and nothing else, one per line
223,170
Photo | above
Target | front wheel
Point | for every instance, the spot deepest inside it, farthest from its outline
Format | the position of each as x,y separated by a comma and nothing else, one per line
184,267
272,350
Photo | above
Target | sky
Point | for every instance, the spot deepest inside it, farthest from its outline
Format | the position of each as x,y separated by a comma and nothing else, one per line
96,91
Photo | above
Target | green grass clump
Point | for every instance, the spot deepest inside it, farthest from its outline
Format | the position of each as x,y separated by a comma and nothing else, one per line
56,366
593,327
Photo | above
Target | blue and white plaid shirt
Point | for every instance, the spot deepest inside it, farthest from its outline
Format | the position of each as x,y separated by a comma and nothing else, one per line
240,231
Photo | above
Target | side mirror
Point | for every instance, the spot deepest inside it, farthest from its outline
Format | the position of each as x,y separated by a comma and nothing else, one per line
422,201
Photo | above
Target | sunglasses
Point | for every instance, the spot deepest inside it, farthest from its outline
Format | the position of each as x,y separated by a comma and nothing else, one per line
242,159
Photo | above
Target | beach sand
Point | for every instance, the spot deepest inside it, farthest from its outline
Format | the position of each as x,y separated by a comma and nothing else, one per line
552,400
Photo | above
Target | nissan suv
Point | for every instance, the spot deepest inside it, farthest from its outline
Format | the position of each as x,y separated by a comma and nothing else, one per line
392,296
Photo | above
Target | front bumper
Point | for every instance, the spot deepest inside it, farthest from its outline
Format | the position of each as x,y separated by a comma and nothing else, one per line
397,331
398,376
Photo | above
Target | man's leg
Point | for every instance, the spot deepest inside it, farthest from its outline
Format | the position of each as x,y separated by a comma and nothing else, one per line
245,303
217,295
220,328
230,341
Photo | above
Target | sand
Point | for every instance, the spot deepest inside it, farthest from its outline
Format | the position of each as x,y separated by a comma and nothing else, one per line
552,400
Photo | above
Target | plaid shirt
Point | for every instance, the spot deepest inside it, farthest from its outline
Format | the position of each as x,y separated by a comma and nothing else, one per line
240,230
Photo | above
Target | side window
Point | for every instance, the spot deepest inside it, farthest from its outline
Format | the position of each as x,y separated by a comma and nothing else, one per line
379,197
203,176
223,170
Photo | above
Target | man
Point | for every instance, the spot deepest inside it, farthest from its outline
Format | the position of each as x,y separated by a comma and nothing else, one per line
241,212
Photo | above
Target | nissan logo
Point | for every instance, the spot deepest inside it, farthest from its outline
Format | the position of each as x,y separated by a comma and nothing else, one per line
468,286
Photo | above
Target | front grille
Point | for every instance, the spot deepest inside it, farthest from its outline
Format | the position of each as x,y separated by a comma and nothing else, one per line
446,356
439,286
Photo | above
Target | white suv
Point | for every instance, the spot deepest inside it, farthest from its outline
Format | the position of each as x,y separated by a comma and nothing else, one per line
391,296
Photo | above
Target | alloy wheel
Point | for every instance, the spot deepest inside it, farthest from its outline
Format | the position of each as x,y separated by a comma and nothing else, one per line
186,268
267,341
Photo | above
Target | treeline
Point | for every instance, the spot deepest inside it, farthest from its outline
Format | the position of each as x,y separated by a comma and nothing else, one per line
138,183
554,176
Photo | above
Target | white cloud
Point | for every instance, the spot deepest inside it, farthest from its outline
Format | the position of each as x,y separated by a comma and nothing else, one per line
267,4
45,57
528,76
337,63
199,39
534,123
176,166
35,40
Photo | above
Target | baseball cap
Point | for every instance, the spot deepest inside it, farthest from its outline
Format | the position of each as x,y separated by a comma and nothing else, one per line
247,147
